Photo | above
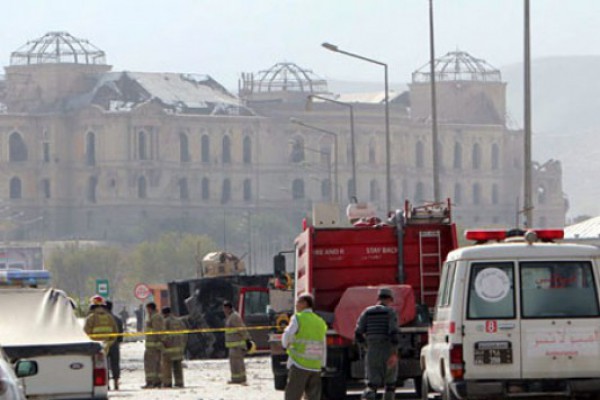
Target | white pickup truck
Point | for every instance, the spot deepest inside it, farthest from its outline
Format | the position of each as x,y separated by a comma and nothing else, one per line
40,326
518,317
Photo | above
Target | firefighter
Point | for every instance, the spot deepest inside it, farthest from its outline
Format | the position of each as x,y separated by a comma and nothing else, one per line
154,347
377,326
172,355
306,343
99,322
237,341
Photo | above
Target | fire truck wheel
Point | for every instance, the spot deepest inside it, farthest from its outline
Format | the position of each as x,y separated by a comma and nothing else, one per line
334,388
280,382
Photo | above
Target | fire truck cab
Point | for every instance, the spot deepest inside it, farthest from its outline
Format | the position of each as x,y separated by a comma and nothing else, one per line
517,317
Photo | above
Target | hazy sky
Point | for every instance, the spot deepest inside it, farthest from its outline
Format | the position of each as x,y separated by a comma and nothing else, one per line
225,37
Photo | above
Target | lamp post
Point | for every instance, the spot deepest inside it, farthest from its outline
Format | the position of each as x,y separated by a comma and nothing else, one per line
352,137
527,179
388,182
335,150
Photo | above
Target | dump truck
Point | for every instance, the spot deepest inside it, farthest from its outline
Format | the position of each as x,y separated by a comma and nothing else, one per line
343,267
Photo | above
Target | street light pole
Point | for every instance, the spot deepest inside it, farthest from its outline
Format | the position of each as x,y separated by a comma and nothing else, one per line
388,182
352,137
528,206
335,151
434,124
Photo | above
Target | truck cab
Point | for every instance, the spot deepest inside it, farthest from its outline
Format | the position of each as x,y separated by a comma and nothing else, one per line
519,316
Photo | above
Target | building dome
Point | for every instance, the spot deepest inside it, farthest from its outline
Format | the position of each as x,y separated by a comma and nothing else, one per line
458,66
58,48
288,77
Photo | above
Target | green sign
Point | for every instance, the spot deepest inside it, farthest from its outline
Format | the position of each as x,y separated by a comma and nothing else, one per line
102,287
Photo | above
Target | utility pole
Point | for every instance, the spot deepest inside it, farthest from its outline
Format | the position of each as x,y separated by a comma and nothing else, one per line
434,127
527,181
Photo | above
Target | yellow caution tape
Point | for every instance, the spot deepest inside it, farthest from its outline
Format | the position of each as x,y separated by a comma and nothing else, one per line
181,332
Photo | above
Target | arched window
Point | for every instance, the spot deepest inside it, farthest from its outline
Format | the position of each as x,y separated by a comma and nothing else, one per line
495,156
226,150
372,151
184,191
142,145
15,188
226,191
205,149
297,154
142,188
476,156
46,188
247,150
91,189
326,189
457,156
419,192
375,191
205,189
247,190
184,150
476,193
17,149
495,194
90,149
458,194
541,193
298,189
419,155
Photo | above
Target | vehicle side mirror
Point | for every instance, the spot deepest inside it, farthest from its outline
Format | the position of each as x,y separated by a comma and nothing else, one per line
26,368
279,265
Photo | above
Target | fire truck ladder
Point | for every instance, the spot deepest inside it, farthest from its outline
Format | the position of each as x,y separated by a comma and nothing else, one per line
429,241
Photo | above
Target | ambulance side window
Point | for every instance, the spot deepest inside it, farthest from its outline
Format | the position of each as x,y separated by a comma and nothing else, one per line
491,291
445,294
443,282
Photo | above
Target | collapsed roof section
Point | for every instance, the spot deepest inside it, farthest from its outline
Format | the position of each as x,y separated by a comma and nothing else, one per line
176,93
458,66
283,77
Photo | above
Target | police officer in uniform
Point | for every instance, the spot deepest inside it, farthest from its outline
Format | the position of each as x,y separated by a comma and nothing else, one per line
378,328
99,322
154,347
172,355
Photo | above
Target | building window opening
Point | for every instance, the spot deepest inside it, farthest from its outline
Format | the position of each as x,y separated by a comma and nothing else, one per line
297,154
226,191
457,156
476,156
476,193
184,191
351,188
205,189
184,150
205,149
46,188
15,188
90,149
142,188
46,152
326,189
247,190
495,156
298,189
495,194
17,150
247,150
91,191
375,192
420,155
142,145
226,150
457,194
420,192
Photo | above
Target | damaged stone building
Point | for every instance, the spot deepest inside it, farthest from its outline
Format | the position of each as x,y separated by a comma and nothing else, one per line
91,153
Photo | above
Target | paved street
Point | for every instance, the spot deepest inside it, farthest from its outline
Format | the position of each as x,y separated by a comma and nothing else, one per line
205,380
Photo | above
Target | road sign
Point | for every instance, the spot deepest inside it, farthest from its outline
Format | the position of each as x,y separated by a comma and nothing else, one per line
141,291
102,287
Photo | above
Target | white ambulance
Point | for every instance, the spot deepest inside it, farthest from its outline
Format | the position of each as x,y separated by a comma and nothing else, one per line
516,317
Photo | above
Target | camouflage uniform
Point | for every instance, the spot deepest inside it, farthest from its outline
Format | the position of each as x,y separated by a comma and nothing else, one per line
235,341
172,354
99,322
154,346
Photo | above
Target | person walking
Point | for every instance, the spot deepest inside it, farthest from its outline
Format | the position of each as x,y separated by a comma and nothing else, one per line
124,315
114,353
139,318
377,326
99,323
305,339
172,354
154,347
237,339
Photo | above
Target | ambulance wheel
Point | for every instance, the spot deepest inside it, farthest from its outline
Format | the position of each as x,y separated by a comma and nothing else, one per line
280,382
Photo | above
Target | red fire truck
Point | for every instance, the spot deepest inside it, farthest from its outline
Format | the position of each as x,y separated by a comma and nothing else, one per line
343,268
